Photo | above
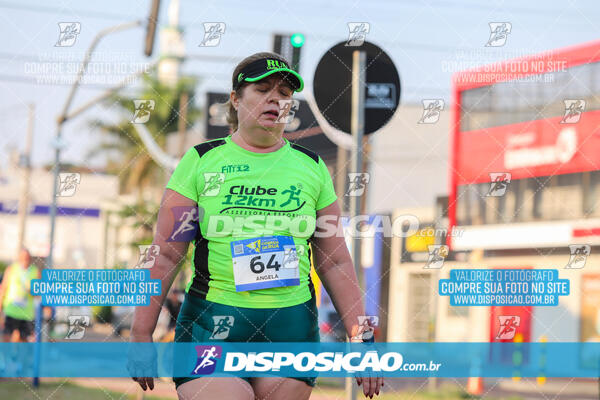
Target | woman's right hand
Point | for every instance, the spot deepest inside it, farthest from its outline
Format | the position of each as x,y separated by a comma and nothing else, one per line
141,360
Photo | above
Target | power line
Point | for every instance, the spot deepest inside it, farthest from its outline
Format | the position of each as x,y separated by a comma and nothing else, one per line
441,4
455,6
34,81
20,57
12,108
480,6
192,57
339,38
53,10
244,30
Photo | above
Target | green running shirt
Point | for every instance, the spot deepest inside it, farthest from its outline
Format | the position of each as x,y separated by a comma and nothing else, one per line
18,301
272,194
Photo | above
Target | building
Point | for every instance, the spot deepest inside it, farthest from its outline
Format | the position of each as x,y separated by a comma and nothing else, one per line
523,177
80,222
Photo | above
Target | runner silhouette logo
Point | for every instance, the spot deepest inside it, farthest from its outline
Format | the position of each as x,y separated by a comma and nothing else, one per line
207,359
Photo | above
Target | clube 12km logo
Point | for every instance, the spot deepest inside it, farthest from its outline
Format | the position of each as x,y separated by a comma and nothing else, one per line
261,198
209,356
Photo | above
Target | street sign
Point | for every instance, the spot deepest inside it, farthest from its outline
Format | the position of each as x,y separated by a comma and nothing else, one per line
332,86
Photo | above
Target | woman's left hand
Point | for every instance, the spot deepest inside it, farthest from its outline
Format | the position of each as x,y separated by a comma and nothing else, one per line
370,384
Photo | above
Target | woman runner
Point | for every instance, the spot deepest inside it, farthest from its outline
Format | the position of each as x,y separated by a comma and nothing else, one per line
255,192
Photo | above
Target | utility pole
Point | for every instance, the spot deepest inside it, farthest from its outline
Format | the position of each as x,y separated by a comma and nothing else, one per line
151,27
341,175
63,117
25,164
357,127
182,122
58,145
182,130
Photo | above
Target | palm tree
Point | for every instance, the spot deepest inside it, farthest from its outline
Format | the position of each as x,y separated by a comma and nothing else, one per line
138,173
127,156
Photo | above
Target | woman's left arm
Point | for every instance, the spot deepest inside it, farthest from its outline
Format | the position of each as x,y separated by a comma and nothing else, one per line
335,269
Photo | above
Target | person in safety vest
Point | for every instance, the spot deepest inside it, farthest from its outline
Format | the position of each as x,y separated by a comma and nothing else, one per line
16,301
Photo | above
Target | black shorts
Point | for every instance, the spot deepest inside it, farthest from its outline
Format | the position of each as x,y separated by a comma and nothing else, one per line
286,324
24,327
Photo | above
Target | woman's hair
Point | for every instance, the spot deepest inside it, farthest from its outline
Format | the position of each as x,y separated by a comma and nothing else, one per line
232,118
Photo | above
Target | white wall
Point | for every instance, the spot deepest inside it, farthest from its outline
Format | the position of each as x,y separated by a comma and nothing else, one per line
408,161
556,323
77,239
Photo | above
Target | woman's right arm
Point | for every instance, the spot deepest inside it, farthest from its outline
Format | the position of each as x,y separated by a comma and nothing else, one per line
165,267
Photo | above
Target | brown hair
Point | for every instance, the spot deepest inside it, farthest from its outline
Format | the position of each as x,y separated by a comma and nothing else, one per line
232,118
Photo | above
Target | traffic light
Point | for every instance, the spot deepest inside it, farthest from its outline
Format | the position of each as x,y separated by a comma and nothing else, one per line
297,39
289,46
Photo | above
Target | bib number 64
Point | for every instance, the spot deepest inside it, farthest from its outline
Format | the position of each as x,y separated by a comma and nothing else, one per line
257,266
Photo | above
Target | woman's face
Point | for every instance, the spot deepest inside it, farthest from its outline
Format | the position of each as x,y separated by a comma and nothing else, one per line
258,107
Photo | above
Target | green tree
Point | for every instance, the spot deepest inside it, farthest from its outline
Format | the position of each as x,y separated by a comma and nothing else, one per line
127,157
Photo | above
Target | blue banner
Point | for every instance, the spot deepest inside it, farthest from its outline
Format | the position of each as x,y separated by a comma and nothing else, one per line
84,359
504,287
95,287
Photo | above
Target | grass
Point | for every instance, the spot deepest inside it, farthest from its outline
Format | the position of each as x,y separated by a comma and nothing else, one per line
408,395
22,390
445,392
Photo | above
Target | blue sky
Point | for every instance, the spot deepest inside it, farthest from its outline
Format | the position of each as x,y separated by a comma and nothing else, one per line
428,41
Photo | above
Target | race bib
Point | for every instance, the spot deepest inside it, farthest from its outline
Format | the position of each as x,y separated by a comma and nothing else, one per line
265,262
20,302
